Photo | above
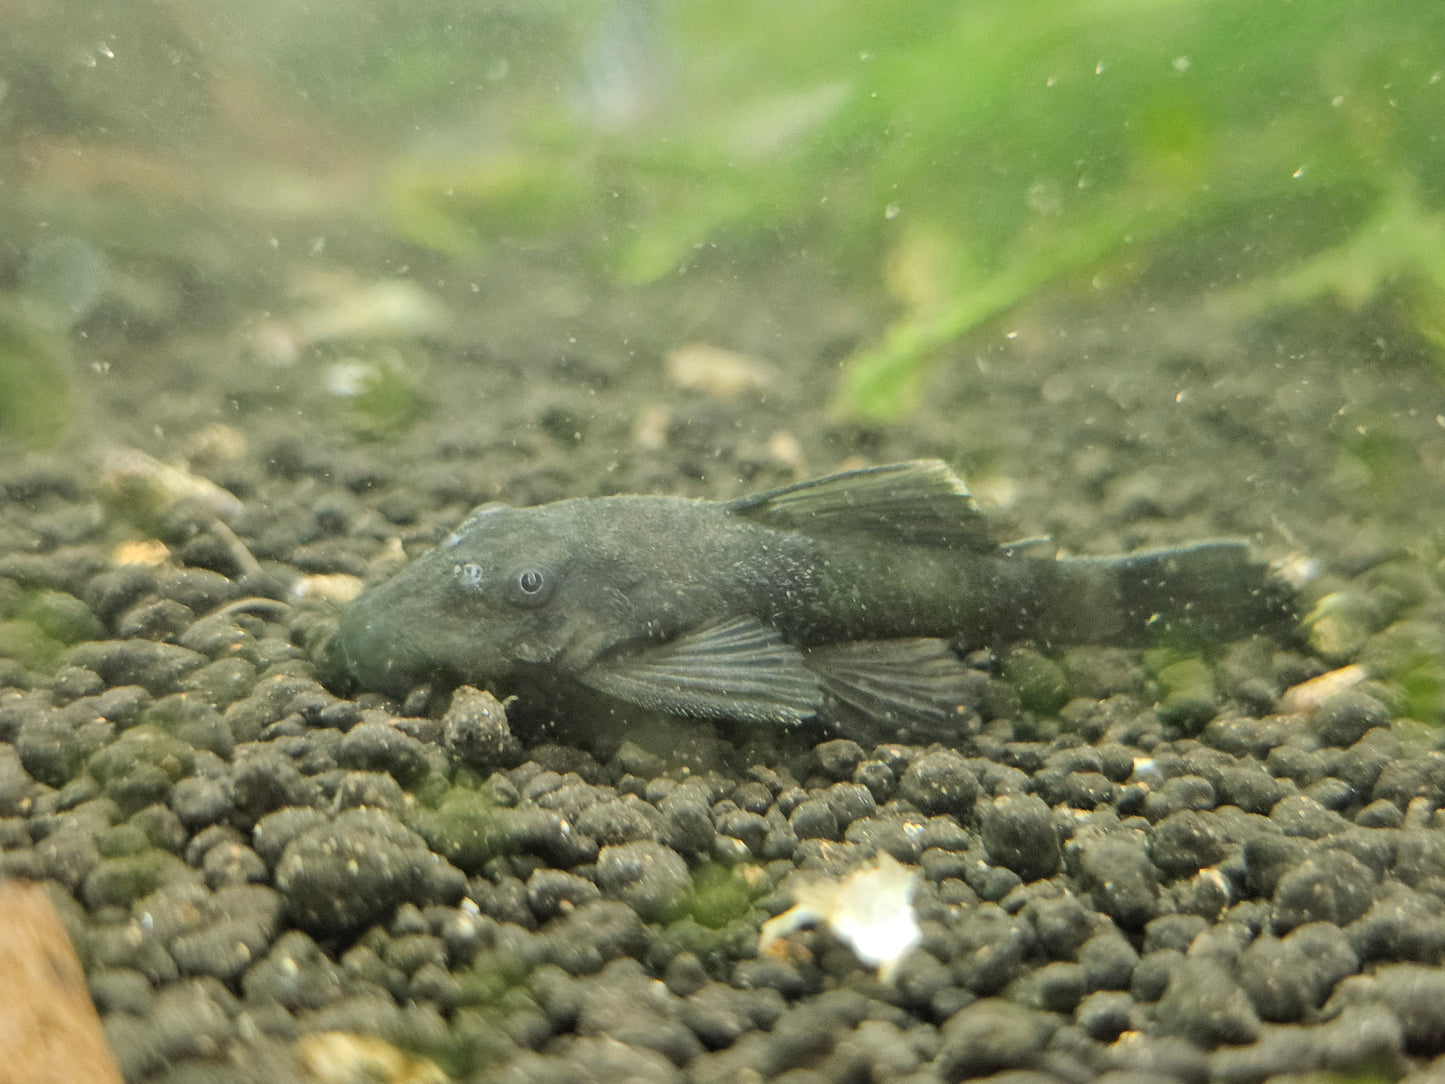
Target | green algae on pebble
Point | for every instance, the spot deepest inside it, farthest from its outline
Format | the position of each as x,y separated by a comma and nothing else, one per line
121,880
468,828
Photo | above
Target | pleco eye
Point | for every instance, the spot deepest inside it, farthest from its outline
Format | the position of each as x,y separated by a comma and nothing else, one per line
531,586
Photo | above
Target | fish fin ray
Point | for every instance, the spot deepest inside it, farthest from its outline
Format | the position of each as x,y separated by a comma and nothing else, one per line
1041,547
921,502
881,688
737,669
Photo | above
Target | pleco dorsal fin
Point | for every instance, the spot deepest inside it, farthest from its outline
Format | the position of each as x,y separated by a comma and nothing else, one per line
921,502
738,669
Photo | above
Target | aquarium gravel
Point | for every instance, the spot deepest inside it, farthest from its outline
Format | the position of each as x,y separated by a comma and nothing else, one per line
1129,865
246,858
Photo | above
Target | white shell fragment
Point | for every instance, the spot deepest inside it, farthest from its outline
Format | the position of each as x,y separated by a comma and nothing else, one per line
870,910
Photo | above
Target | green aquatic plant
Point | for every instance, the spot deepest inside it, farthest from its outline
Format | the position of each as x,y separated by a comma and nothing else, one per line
958,158
968,158
35,382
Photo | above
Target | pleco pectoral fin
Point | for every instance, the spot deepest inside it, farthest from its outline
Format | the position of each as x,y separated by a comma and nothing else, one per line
739,669
880,689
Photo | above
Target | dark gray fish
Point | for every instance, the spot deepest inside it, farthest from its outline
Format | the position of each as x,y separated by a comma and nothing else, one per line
839,597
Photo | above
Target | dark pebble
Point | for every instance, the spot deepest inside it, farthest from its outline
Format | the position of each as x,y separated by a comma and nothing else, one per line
16,786
1057,987
1251,788
814,818
748,827
850,802
1364,1035
1415,996
1062,924
157,667
839,759
203,799
1185,842
353,871
224,932
1018,833
1120,880
552,892
1361,764
719,1014
73,682
1402,780
1206,1005
1151,974
53,746
161,619
1176,932
374,789
231,864
380,747
121,990
940,782
687,822
408,952
1419,856
140,767
1107,1014
648,876
274,831
584,941
475,730
121,880
628,1006
1108,960
1400,925
1288,979
1333,794
1333,886
265,780
193,1018
591,1061
1346,717
624,819
1179,793
469,828
878,777
1267,857
991,1036
1380,814
791,980
989,948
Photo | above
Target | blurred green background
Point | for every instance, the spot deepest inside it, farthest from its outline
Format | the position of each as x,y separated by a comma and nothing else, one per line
956,158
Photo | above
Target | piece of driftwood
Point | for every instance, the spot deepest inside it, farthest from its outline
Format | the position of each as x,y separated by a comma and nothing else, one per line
49,1030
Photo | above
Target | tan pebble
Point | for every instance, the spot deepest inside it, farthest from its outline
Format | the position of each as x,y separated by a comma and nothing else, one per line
327,587
149,551
131,476
338,1057
392,555
218,442
785,451
716,371
649,430
1309,695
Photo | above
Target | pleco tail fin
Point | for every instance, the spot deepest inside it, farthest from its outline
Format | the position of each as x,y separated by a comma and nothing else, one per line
1205,593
